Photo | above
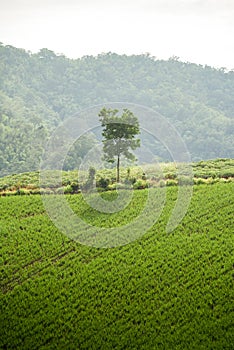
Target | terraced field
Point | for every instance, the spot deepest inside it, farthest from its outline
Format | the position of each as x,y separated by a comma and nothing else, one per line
162,291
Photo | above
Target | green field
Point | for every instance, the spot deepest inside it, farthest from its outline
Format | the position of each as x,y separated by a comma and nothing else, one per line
162,291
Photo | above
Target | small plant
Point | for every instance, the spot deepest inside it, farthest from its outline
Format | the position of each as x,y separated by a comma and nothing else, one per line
103,183
162,183
171,183
170,176
140,185
68,189
111,187
199,181
75,187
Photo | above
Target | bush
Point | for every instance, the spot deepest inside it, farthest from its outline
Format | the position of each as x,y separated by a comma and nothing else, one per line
75,187
31,187
211,181
103,183
223,180
9,193
170,176
20,192
24,192
111,187
162,183
36,191
199,181
225,174
68,189
171,183
140,185
66,182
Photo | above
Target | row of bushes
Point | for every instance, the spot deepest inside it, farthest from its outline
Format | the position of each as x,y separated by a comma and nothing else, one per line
138,185
104,179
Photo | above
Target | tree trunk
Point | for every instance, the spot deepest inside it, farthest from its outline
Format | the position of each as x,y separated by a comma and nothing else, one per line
117,176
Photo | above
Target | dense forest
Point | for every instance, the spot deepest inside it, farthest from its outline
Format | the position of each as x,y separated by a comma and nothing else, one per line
39,91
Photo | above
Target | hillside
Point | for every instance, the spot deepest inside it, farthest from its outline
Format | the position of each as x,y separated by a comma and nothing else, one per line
39,91
162,291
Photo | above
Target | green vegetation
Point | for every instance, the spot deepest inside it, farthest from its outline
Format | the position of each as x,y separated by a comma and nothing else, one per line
119,135
160,292
39,91
205,172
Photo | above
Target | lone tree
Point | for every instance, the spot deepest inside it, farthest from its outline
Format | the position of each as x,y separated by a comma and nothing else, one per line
119,135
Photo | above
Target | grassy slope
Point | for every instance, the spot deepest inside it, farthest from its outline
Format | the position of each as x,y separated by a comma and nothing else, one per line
160,292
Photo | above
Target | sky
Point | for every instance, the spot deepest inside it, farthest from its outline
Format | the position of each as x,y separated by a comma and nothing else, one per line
198,31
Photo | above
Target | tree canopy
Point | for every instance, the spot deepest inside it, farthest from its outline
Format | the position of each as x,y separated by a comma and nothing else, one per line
119,135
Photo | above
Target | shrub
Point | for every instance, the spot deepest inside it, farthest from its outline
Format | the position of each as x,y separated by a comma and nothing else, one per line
224,180
140,185
199,181
103,183
171,182
31,187
211,181
111,187
170,175
10,193
66,182
68,189
75,187
35,191
227,173
23,192
162,183
20,192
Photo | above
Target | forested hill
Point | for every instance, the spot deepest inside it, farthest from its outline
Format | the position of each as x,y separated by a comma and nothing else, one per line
38,91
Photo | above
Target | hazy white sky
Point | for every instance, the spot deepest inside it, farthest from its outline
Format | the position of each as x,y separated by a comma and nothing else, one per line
200,31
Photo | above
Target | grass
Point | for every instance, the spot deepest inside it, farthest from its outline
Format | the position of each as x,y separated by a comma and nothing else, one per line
162,291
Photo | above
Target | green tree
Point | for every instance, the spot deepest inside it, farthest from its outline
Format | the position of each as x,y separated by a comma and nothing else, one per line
119,135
